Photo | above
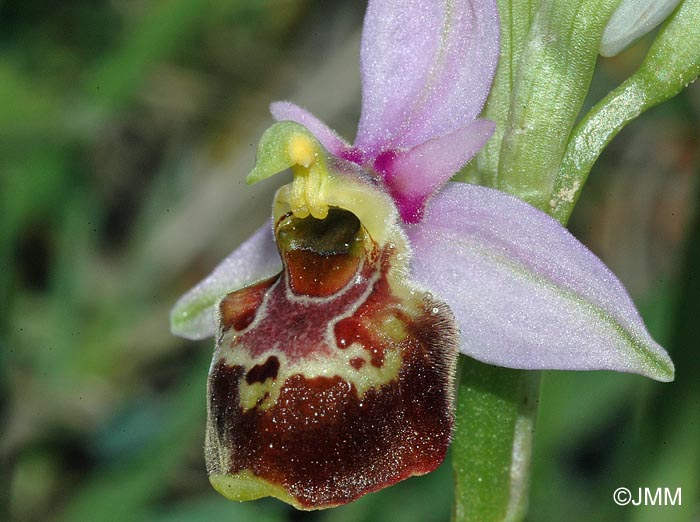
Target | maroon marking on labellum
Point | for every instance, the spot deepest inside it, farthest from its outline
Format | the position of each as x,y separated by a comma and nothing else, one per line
326,445
357,362
238,308
351,330
319,275
364,326
297,328
263,372
320,440
348,331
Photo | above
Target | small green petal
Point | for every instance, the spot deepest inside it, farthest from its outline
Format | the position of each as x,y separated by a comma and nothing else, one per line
283,146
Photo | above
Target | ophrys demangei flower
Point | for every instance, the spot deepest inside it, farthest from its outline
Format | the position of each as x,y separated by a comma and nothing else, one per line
338,324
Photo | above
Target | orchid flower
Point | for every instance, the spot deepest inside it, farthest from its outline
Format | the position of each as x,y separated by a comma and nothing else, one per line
338,324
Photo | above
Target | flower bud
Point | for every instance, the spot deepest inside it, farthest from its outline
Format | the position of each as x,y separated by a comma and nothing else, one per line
631,20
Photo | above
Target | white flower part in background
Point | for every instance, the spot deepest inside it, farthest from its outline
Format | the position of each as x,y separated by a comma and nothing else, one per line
632,20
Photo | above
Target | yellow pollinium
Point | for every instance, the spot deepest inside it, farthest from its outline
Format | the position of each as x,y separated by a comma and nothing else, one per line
310,173
302,150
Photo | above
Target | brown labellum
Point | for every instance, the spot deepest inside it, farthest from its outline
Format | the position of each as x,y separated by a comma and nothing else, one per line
333,379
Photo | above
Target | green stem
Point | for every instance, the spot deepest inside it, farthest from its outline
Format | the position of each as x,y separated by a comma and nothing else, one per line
496,410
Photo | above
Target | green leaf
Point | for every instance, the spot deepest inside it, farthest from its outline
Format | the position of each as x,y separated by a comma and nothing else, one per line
552,82
515,19
672,63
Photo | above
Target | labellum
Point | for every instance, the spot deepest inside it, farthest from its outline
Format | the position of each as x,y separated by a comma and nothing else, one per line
333,378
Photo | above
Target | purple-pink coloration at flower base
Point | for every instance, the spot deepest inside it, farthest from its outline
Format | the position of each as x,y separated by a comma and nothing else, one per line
337,326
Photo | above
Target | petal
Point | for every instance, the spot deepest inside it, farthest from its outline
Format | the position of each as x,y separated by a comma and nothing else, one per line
412,176
286,111
631,20
426,69
194,316
525,292
333,379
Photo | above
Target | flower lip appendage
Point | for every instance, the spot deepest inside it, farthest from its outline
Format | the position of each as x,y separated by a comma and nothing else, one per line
338,326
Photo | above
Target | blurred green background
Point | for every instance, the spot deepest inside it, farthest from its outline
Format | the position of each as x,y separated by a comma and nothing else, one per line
126,130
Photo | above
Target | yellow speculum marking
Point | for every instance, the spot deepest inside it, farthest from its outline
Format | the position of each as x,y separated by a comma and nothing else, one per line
260,394
393,328
263,395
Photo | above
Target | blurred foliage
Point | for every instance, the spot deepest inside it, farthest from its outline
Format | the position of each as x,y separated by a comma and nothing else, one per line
126,128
